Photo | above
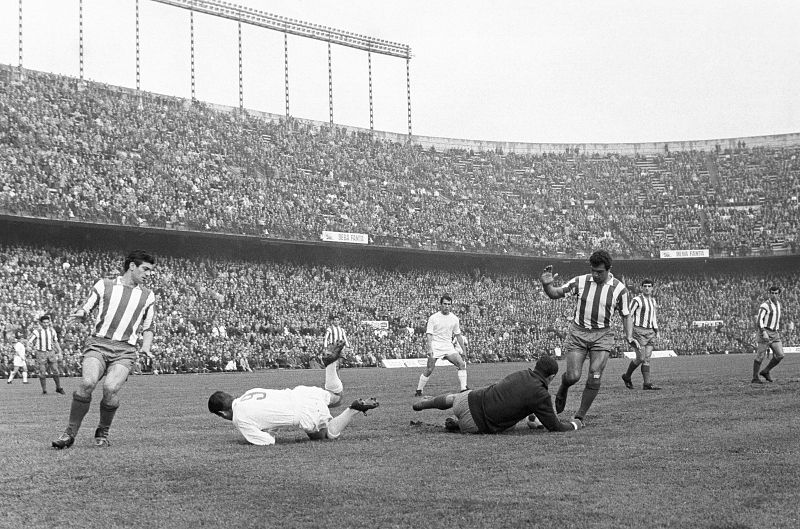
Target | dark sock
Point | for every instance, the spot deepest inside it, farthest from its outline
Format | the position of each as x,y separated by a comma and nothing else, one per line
631,368
756,367
57,380
78,410
586,401
43,381
106,415
772,363
646,374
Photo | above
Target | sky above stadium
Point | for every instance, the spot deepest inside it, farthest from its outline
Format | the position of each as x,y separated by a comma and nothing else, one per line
601,71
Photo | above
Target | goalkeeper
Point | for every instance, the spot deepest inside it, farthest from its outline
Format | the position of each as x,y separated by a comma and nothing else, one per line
260,412
499,407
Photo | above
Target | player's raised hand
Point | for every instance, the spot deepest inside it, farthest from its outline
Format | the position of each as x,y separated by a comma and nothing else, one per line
547,276
78,315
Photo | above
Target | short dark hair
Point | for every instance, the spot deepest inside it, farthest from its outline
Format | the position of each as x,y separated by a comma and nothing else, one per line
332,316
601,257
775,288
647,282
44,317
546,365
445,297
137,257
218,401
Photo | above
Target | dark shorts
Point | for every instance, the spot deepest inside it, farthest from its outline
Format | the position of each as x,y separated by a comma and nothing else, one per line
110,352
45,358
588,341
461,409
773,340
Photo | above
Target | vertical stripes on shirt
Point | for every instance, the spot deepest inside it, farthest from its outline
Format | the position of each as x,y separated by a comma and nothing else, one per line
769,316
123,311
643,311
333,334
596,303
42,339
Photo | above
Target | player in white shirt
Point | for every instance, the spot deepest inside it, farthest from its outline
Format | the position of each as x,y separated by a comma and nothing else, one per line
442,330
19,361
260,412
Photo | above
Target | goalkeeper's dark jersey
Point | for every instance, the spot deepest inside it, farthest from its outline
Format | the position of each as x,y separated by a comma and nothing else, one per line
500,406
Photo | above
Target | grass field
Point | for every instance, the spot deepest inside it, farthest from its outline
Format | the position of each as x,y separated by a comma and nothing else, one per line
710,450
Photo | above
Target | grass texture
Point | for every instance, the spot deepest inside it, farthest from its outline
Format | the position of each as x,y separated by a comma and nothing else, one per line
708,451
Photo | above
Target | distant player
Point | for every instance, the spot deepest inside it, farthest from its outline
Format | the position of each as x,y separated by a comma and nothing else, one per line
769,323
19,362
443,328
645,332
502,405
597,295
126,309
44,340
259,413
334,333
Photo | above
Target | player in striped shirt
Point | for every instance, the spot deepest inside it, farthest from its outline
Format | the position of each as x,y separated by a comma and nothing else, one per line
44,341
645,332
598,295
769,323
125,312
334,333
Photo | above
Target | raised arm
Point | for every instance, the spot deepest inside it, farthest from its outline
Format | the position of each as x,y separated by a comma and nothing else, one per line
547,284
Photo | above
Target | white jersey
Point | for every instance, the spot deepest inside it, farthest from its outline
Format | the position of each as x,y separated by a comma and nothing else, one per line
443,328
259,412
19,355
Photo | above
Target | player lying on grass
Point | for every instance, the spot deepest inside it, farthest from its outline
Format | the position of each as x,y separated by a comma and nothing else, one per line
496,408
259,412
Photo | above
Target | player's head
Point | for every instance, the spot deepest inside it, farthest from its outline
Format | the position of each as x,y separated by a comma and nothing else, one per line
45,320
774,290
546,366
446,303
647,286
600,261
221,404
139,263
333,317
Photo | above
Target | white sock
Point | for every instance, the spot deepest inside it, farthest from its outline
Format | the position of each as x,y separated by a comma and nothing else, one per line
422,381
337,425
24,377
332,381
11,376
462,378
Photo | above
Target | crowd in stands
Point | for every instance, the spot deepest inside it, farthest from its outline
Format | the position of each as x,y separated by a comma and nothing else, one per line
221,314
84,151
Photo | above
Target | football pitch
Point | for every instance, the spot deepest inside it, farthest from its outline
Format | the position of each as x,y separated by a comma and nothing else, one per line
709,451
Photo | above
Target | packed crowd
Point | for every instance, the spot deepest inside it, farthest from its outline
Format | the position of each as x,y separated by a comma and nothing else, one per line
216,315
86,151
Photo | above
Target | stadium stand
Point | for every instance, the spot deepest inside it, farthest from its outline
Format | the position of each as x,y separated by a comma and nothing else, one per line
75,150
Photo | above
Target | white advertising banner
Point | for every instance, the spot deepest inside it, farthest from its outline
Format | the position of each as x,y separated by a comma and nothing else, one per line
656,354
413,362
683,254
793,349
707,323
340,236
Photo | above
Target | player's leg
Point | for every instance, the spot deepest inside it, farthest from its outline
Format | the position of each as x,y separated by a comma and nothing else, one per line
648,353
597,363
636,362
761,350
42,368
575,352
53,366
777,356
12,375
332,381
461,366
92,370
338,424
440,402
116,376
426,375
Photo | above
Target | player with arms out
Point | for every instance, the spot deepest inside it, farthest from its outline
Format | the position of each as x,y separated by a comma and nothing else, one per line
443,327
499,407
769,324
260,412
125,310
598,295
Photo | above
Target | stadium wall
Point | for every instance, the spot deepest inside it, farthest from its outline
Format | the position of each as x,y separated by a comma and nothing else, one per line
191,244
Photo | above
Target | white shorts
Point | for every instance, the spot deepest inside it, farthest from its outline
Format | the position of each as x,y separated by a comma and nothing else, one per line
440,351
311,408
19,362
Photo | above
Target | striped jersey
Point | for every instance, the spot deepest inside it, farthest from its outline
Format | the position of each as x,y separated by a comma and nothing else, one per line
123,312
643,311
43,339
596,303
333,334
769,316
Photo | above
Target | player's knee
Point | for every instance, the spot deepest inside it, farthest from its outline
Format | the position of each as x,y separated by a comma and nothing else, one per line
646,362
336,400
319,435
569,378
593,380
